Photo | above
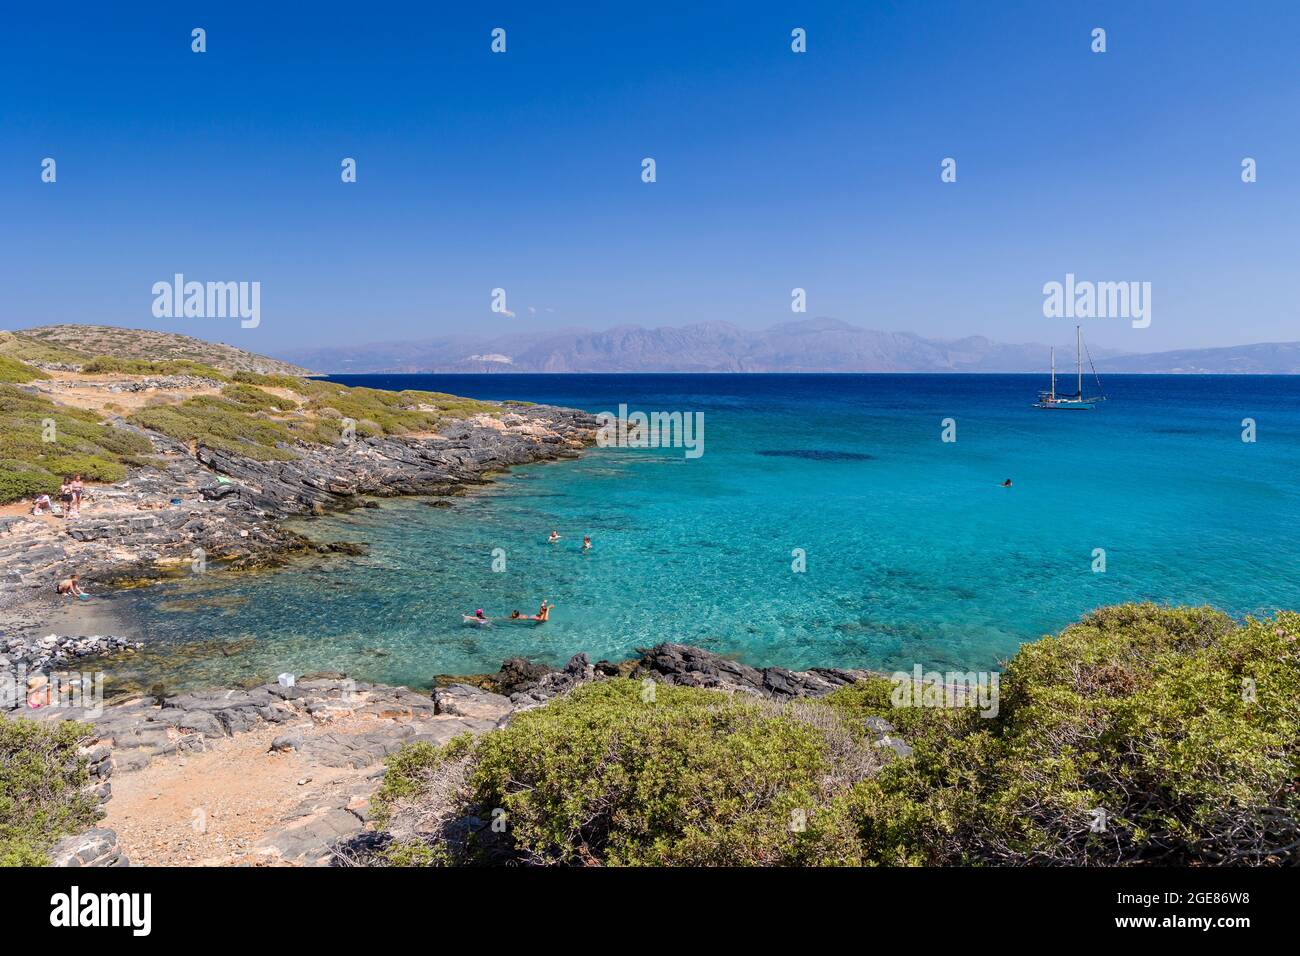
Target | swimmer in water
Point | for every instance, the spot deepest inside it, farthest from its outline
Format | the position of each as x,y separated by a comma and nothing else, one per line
515,615
1007,483
544,611
480,615
586,543
555,536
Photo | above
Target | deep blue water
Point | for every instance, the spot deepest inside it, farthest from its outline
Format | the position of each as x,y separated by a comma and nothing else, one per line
914,553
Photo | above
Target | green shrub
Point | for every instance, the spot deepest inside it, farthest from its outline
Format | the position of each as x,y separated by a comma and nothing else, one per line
16,372
694,777
391,413
1180,725
218,424
251,398
29,465
43,792
108,364
1182,728
20,479
269,381
16,345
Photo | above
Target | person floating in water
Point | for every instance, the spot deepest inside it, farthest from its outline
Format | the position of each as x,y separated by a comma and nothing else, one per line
586,543
480,615
1007,483
555,536
544,611
515,615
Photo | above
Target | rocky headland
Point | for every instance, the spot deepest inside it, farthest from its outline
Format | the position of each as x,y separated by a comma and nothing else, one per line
228,509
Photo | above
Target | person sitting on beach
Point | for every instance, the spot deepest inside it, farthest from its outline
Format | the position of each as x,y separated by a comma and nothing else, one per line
70,587
555,536
42,503
586,543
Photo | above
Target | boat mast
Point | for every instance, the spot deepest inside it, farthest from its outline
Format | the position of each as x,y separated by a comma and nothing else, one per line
1053,373
1078,356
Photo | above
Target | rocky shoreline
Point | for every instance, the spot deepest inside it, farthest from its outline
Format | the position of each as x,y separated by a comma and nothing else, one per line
341,731
229,510
331,734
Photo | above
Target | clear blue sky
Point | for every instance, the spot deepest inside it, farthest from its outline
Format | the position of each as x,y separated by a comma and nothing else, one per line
775,170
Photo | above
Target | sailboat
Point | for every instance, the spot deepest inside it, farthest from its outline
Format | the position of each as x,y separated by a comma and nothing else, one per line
1052,399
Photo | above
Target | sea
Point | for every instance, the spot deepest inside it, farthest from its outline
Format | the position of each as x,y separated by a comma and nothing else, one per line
827,520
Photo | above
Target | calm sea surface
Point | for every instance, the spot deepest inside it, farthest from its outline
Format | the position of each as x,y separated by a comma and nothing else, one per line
914,553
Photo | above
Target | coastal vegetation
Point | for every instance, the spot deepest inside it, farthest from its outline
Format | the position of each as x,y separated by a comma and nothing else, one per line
107,364
76,344
244,418
13,371
1139,735
79,443
26,348
247,420
43,788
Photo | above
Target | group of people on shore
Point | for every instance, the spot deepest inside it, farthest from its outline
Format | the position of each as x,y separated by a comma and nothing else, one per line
71,493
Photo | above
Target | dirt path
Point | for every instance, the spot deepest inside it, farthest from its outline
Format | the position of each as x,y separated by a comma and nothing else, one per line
212,808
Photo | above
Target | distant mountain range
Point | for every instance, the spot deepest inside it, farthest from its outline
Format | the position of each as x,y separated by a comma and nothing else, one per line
815,345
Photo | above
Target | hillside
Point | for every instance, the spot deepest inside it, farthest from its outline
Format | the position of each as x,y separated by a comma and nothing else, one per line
74,344
102,417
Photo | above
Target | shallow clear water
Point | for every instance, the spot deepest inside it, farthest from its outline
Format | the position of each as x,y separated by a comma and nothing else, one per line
914,551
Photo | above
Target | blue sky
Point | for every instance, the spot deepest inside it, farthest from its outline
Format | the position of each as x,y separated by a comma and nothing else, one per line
775,170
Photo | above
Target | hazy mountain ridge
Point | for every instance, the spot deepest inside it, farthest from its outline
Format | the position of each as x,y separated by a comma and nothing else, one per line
814,345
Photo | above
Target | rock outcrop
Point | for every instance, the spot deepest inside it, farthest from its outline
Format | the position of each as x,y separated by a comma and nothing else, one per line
693,667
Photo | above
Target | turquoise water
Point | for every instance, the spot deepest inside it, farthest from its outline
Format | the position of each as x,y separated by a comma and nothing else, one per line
914,552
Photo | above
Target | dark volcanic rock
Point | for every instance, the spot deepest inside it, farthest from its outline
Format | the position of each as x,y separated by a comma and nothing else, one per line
693,667
517,675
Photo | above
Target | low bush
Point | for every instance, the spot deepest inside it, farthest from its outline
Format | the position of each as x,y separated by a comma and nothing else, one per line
108,364
221,425
1140,735
31,465
43,793
15,372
